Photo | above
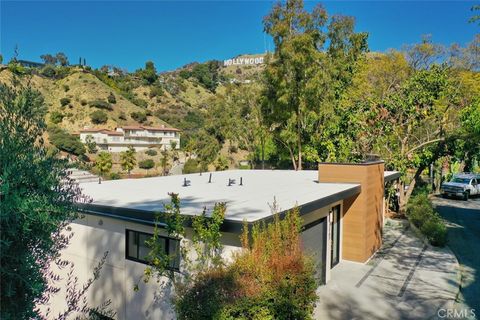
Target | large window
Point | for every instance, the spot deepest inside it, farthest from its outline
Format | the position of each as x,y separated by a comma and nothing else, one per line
137,249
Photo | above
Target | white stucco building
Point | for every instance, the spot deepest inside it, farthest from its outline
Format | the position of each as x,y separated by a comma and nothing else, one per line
341,206
139,137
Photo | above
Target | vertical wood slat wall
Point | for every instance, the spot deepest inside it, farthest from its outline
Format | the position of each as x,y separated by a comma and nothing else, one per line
363,213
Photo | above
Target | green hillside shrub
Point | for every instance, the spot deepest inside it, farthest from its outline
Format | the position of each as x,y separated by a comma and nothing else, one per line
56,117
422,215
100,104
146,164
151,152
191,166
155,91
48,71
111,98
98,117
139,102
139,116
65,141
65,101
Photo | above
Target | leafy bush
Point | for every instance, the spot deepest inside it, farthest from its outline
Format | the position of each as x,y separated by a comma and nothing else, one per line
221,164
151,152
56,117
83,102
111,98
139,102
65,141
65,101
114,176
66,87
270,279
98,117
100,104
422,215
146,164
122,116
139,116
191,166
155,91
48,71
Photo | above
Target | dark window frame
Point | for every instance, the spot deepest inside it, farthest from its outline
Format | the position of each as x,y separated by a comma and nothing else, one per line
137,234
336,210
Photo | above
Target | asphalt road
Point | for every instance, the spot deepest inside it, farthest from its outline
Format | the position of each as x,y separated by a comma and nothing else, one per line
463,220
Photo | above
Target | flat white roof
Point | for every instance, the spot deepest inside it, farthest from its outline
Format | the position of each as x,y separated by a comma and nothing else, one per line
250,202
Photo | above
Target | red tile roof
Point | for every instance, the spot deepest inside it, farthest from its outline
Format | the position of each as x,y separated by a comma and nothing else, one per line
149,128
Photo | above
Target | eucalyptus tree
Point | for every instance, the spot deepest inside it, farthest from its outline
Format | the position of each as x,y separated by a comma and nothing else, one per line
312,65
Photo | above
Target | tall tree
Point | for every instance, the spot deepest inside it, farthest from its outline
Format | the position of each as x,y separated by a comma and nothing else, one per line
416,120
49,59
424,54
36,204
302,80
164,161
149,74
62,59
128,159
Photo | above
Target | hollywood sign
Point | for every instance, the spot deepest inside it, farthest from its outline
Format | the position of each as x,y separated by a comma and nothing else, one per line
242,61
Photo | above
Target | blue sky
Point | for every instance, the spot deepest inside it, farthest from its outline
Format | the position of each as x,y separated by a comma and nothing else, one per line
127,33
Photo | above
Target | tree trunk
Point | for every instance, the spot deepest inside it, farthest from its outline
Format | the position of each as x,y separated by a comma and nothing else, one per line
299,167
262,143
293,159
401,196
411,186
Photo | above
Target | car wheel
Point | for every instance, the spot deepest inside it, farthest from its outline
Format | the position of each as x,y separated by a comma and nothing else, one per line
466,194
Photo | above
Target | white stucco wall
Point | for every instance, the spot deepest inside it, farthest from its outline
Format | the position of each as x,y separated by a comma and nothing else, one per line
94,235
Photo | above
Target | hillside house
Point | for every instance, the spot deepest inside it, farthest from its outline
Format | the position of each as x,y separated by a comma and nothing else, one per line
139,137
342,207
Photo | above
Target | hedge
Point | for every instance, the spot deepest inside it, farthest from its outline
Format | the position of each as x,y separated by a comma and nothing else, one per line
422,215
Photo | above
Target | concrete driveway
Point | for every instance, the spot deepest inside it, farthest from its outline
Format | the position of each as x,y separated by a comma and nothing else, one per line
463,220
406,279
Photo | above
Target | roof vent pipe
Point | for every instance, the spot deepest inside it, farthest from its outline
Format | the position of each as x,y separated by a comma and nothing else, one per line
241,181
186,182
210,178
231,181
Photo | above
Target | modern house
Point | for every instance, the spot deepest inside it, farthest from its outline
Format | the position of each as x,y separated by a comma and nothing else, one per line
139,137
342,207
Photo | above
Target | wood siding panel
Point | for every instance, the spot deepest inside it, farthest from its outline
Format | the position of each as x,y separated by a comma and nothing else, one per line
363,213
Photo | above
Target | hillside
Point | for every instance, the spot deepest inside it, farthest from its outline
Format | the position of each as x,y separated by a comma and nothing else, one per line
174,99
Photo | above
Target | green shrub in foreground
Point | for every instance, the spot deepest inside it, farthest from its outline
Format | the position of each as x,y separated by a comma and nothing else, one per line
270,279
422,215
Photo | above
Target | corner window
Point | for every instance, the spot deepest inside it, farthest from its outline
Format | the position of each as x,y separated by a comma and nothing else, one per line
137,249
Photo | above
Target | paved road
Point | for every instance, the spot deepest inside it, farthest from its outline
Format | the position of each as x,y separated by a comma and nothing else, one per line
463,219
